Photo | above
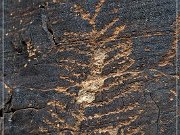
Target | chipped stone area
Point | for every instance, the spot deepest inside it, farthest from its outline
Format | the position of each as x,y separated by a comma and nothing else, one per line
99,57
84,96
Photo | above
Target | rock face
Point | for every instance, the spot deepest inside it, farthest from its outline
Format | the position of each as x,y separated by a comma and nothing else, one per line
94,67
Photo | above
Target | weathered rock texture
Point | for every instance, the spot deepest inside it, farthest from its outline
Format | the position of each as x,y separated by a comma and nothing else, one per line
90,67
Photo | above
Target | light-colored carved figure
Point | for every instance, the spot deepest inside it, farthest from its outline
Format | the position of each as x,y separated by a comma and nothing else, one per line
95,81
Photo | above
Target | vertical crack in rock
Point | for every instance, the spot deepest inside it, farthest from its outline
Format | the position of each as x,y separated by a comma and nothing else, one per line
8,105
158,117
47,28
1,113
8,102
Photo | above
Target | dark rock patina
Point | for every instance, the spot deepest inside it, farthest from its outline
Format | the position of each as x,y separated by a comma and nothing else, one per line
94,67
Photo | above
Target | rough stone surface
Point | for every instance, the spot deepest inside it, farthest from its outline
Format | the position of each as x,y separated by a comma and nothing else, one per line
94,67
